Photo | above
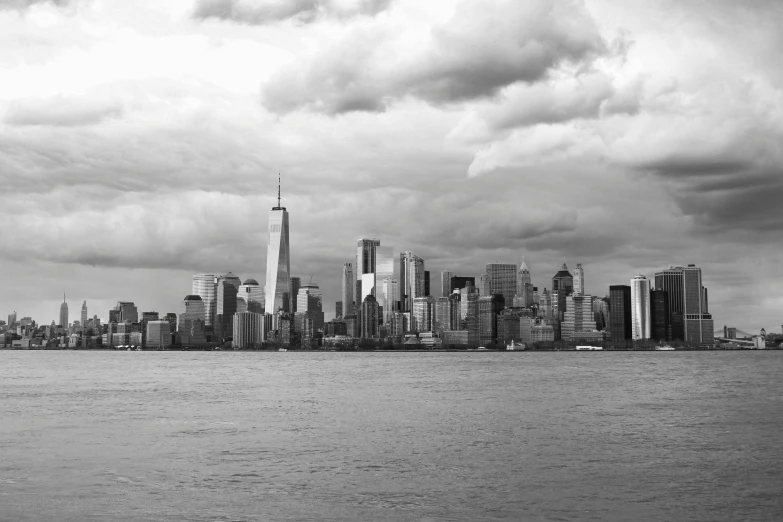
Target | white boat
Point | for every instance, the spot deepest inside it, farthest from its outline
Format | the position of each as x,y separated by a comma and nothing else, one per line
515,346
664,348
283,350
589,348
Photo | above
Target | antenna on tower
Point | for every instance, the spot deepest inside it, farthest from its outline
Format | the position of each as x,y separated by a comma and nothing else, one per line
278,189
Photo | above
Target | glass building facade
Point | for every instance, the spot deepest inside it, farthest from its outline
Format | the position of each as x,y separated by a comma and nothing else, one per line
640,308
204,285
278,262
503,280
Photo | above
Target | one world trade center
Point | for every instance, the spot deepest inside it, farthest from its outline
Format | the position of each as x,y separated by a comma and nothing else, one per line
278,260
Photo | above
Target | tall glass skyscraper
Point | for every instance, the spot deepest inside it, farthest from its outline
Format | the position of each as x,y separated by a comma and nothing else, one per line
503,280
63,313
204,286
640,308
411,279
84,316
226,289
348,289
253,296
689,314
278,261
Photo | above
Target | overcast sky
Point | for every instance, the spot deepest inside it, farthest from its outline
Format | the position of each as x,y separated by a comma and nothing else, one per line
140,143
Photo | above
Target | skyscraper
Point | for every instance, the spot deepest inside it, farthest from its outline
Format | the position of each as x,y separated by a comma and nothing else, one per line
226,291
579,280
562,287
247,330
660,328
348,289
411,279
295,284
63,313
84,316
524,285
204,286
253,295
190,326
422,313
384,269
620,312
690,317
485,285
579,317
126,312
369,317
278,260
503,280
445,283
489,308
640,308
427,283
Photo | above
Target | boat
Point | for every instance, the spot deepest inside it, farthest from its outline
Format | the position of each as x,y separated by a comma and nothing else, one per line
283,350
515,346
664,348
589,348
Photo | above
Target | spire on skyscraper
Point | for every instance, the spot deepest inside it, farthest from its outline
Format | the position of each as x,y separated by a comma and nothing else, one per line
278,189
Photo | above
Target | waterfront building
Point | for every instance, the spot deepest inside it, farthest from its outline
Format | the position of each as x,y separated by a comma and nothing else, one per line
535,330
248,330
578,317
171,317
545,305
445,283
335,328
640,308
411,279
579,279
688,306
489,308
422,314
351,325
562,287
445,314
253,295
485,285
620,313
310,305
203,285
369,323
278,261
469,312
456,337
503,280
601,312
660,327
146,317
157,334
190,326
63,313
400,324
508,325
294,284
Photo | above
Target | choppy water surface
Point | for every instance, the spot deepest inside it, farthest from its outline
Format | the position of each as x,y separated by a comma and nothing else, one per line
385,436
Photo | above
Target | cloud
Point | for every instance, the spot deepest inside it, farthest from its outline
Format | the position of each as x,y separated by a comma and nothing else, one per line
25,4
260,12
479,51
65,111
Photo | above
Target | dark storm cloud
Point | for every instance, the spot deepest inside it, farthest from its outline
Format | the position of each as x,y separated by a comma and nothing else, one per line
259,12
684,165
61,111
475,54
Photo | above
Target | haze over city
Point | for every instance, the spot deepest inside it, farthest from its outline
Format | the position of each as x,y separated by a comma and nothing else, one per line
140,143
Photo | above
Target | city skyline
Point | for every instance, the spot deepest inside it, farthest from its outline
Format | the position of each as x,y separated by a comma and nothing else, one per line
141,155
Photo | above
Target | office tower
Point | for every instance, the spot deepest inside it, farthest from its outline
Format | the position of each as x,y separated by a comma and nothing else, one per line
601,313
369,326
562,287
226,290
442,316
458,282
366,285
63,313
660,328
690,318
338,310
351,326
503,280
278,261
545,305
620,312
391,297
485,286
422,314
114,315
579,280
310,306
157,335
204,286
11,319
445,283
294,285
489,308
469,313
247,330
126,312
253,295
578,318
384,269
508,325
426,283
524,285
348,289
366,256
190,325
640,308
411,279
84,316
146,317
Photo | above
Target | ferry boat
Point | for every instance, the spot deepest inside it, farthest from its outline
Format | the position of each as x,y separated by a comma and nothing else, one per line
664,348
515,346
589,348
283,350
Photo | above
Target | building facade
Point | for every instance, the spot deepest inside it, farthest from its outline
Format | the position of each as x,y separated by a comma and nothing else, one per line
278,261
204,285
248,330
620,313
640,308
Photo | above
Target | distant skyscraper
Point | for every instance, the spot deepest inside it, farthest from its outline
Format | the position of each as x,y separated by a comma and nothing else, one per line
458,282
427,283
369,324
503,280
366,250
278,261
445,283
126,312
253,295
562,287
640,307
579,280
226,290
384,269
579,317
422,314
190,326
620,312
690,317
157,335
411,279
338,310
204,286
295,284
485,286
247,330
12,319
348,289
63,313
660,328
390,297
84,316
524,285
489,308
